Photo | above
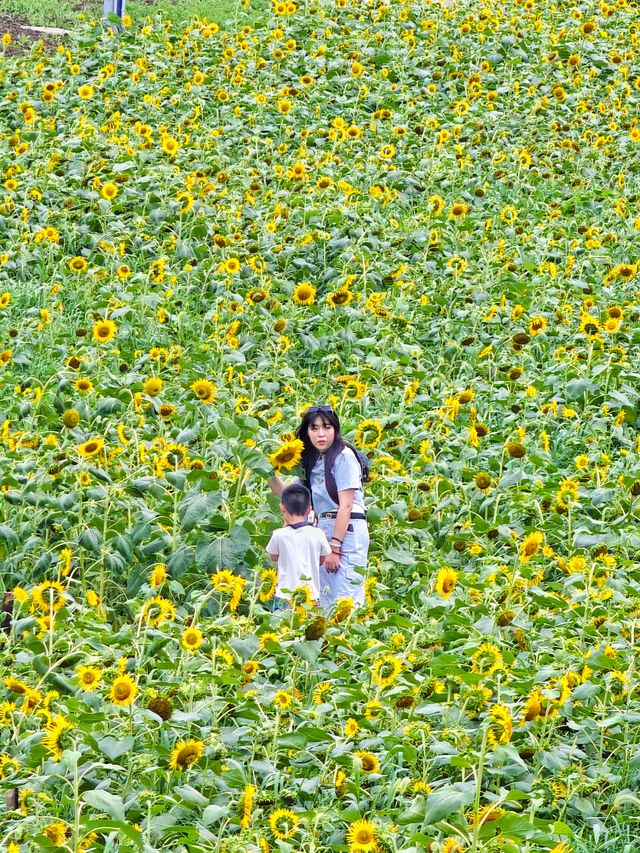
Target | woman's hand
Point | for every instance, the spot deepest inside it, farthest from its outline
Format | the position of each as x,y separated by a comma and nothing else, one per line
332,563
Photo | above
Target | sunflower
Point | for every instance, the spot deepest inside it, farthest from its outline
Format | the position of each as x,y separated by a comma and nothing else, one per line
351,727
49,596
204,390
452,845
170,145
386,670
268,584
186,753
257,295
109,191
246,806
340,297
191,639
283,700
531,545
232,266
78,264
83,385
56,726
104,330
249,669
367,761
361,836
123,690
500,727
537,325
71,418
57,832
157,610
487,659
284,823
458,210
91,448
368,434
304,294
344,609
89,677
86,92
158,575
166,411
446,582
152,386
288,455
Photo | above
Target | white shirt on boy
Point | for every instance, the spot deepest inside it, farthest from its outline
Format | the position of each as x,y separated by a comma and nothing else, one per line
298,550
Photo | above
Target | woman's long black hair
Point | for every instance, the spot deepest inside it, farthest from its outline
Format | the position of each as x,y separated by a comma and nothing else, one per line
310,454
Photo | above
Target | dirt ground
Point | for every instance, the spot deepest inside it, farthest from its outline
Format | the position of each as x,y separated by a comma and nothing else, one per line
22,37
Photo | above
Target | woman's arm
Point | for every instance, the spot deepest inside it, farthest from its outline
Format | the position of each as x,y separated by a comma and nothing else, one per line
276,485
345,504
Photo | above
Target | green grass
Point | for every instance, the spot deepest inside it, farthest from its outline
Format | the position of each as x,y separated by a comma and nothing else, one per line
63,13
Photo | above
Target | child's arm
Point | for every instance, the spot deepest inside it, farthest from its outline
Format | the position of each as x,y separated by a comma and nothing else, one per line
272,548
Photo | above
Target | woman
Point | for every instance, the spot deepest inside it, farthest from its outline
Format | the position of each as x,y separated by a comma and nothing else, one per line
334,476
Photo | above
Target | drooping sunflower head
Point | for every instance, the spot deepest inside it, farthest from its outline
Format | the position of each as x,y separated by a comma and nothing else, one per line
366,761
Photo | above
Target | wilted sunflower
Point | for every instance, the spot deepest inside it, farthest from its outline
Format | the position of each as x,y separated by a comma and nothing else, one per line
288,455
186,753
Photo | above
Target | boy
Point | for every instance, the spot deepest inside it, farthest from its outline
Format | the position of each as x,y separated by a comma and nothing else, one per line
299,548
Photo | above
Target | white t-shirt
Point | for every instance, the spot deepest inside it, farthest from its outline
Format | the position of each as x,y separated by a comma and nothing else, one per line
298,551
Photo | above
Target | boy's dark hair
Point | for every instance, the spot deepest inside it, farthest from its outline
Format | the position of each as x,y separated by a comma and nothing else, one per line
296,499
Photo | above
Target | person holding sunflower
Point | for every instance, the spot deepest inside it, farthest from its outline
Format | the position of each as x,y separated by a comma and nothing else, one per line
334,473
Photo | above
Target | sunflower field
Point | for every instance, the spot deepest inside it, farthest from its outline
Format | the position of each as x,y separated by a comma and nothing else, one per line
428,216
